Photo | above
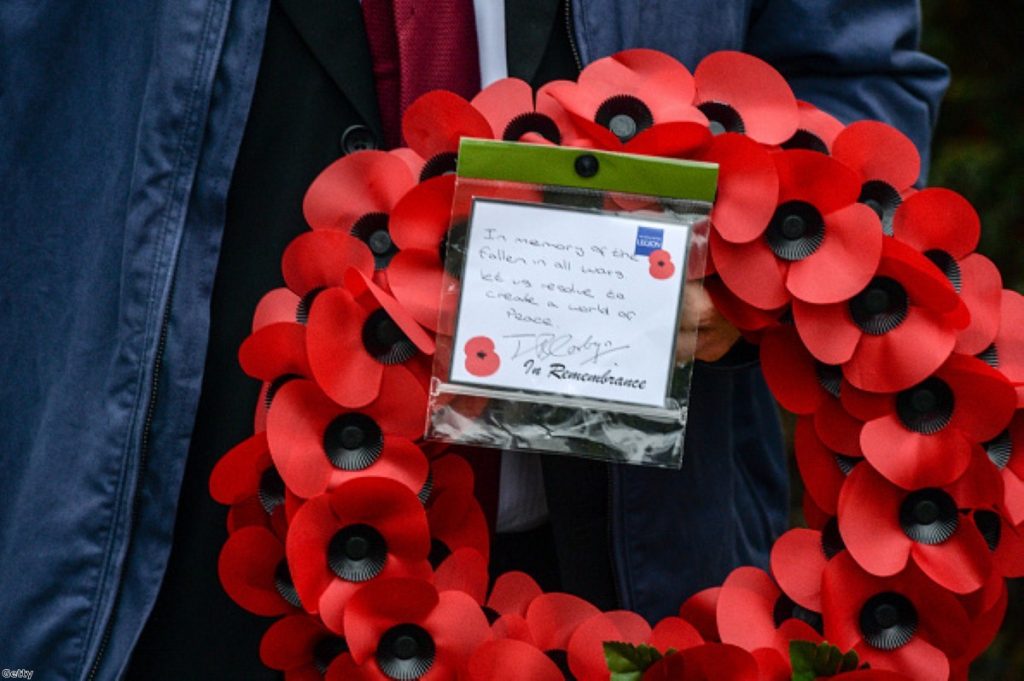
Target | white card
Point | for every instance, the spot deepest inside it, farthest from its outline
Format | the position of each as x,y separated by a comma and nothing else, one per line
569,302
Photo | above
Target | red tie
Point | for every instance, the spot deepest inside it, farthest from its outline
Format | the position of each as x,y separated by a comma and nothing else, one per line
418,46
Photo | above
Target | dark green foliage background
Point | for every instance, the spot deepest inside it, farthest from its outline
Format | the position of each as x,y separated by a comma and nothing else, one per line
979,152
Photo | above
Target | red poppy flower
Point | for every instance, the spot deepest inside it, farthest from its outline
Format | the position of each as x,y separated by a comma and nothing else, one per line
885,526
819,246
748,187
455,516
254,573
822,469
661,265
1006,452
434,125
707,662
245,475
317,260
701,610
816,130
620,96
741,93
547,624
405,629
923,436
365,529
586,645
511,660
754,613
355,194
274,351
798,560
515,114
945,227
895,332
317,445
903,623
1007,352
276,305
301,647
352,342
481,358
885,159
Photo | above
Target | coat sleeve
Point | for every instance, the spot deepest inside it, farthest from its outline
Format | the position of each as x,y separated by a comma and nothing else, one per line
856,59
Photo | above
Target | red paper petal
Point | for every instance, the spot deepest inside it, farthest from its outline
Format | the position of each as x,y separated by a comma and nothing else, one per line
296,426
334,344
751,271
741,315
918,659
913,460
339,592
745,609
510,660
817,123
798,562
869,521
760,95
458,521
306,547
586,646
421,219
925,283
661,82
700,610
984,400
837,428
1010,341
748,187
503,100
288,643
382,604
277,305
827,331
903,357
354,185
879,152
459,627
464,570
246,570
553,617
845,262
357,282
416,278
981,291
960,564
816,179
320,259
512,593
275,350
675,633
676,140
411,159
814,517
388,506
938,219
236,476
435,123
818,468
790,371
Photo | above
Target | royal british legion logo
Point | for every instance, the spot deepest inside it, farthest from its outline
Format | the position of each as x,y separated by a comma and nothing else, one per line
648,240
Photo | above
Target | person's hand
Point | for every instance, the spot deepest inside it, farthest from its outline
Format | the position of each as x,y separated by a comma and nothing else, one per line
715,335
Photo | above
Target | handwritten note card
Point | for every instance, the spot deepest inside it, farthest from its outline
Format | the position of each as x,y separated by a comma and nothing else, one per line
569,302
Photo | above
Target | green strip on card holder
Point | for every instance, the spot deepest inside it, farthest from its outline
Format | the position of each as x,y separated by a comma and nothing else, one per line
553,165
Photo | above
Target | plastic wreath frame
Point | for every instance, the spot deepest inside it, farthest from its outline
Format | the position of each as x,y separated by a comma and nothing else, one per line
878,325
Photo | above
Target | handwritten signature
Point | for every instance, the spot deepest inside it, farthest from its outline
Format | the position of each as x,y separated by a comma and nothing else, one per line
545,345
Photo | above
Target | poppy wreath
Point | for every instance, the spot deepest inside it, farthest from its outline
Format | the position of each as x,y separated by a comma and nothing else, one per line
879,327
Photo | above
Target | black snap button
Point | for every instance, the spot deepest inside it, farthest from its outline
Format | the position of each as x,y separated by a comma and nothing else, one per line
586,165
357,138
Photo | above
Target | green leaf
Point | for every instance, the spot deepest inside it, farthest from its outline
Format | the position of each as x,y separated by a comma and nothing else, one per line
628,662
812,661
850,662
802,656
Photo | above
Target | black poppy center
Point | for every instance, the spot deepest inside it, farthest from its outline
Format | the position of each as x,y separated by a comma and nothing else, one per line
927,407
796,230
929,516
353,441
722,118
385,341
625,116
561,660
805,139
881,307
405,652
948,265
453,248
830,378
285,586
306,304
888,621
990,527
439,551
326,650
271,490
1000,450
831,540
444,163
275,386
990,356
427,491
785,608
357,553
845,464
372,230
882,198
534,122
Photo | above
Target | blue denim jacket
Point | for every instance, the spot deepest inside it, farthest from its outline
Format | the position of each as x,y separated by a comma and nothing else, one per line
120,126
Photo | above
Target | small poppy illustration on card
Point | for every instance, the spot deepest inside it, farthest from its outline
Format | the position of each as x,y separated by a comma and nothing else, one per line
661,264
481,359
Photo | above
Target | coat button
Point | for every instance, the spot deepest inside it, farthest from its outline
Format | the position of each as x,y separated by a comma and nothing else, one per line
357,138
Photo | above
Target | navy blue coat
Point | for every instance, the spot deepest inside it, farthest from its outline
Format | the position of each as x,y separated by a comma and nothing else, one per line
121,122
